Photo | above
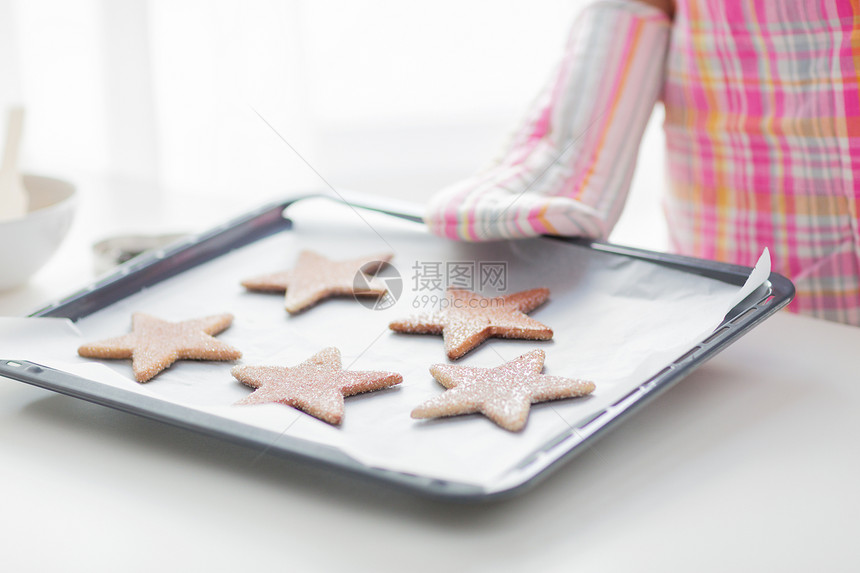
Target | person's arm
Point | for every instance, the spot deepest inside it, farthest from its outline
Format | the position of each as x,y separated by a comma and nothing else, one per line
567,169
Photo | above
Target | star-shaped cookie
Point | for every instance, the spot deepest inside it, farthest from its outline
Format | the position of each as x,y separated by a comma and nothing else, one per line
467,319
154,344
504,394
316,386
316,277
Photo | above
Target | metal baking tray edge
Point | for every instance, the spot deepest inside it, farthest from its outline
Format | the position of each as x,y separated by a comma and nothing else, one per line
150,268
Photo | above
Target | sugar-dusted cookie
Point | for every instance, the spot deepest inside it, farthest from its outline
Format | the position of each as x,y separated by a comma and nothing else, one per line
467,319
316,386
315,278
154,344
503,394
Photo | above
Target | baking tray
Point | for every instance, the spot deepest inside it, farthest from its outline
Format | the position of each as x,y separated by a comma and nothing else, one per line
153,268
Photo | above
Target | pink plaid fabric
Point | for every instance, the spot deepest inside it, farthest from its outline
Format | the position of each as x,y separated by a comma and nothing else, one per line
763,135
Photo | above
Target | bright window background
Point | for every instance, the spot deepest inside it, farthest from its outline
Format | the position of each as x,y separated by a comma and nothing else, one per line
393,98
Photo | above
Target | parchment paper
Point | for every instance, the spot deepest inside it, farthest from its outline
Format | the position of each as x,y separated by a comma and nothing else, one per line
617,321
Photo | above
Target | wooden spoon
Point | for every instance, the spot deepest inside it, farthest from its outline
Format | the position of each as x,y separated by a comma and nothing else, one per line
14,200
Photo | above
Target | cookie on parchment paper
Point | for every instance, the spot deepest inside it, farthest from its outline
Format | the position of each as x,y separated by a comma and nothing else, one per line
504,394
154,344
467,319
316,277
317,386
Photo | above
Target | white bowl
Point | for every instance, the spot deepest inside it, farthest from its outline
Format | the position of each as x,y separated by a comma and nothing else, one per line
26,244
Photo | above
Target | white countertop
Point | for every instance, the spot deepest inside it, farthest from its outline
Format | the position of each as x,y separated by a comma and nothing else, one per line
752,463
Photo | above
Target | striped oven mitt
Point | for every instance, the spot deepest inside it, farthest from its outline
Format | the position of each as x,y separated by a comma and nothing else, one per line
567,169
